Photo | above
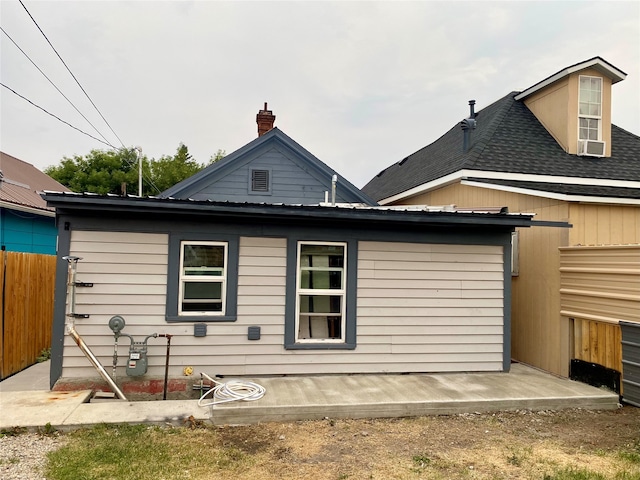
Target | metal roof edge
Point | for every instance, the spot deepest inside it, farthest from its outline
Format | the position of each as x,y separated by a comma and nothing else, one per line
138,205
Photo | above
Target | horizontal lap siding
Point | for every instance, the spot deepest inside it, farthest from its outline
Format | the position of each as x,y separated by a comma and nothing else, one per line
420,308
599,287
129,275
129,272
432,307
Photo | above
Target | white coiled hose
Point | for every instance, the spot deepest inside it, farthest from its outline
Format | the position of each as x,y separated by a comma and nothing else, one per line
231,391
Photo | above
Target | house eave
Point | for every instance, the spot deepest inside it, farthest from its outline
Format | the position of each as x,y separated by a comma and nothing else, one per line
461,175
554,195
27,209
76,204
597,63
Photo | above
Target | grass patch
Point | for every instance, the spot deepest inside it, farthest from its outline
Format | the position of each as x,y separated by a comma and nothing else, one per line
631,455
435,448
142,453
12,432
45,354
574,474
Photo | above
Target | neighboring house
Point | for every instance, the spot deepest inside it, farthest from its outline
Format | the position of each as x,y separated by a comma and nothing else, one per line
27,224
271,169
266,288
550,150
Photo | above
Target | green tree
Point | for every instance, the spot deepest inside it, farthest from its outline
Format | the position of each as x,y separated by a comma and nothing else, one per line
219,155
167,170
98,172
116,171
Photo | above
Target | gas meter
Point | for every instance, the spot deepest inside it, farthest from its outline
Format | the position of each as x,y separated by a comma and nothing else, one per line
137,362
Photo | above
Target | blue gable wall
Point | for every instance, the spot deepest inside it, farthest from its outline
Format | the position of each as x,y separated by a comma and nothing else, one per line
296,177
27,232
290,183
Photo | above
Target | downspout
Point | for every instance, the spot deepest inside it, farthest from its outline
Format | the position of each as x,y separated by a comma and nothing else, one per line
71,329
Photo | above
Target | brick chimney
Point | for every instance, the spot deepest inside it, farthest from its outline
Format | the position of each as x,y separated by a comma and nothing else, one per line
265,119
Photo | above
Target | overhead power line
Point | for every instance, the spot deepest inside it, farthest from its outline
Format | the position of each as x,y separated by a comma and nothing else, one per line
71,73
51,82
55,116
148,180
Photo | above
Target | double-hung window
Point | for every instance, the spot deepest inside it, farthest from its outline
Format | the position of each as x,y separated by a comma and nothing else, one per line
590,108
203,278
321,292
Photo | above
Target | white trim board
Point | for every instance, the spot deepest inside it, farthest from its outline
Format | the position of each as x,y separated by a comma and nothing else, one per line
23,208
553,195
520,177
600,65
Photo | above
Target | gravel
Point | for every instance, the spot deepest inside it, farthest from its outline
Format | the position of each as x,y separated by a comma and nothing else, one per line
23,456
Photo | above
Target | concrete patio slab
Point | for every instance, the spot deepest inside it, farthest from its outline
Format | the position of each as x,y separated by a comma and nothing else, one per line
315,397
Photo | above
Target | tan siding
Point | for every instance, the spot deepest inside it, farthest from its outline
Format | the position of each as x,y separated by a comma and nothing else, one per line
604,224
551,108
600,287
412,294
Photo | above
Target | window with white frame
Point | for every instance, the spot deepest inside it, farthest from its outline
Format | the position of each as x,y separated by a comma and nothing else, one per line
321,292
590,108
203,278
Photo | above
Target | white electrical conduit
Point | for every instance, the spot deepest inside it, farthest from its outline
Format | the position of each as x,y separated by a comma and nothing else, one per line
231,391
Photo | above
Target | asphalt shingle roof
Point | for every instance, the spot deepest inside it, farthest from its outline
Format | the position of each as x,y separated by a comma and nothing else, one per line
508,138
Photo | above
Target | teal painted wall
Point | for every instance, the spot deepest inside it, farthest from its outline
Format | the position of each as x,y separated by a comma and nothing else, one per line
26,232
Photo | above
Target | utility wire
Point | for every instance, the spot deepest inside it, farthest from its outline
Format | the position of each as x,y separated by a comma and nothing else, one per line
56,117
51,82
71,73
148,180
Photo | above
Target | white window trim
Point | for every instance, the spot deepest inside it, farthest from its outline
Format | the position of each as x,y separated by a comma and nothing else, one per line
328,292
593,117
203,278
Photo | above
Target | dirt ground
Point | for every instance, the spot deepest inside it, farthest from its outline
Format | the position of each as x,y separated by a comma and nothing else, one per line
505,445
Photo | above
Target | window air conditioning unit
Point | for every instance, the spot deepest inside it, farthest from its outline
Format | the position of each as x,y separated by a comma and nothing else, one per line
591,148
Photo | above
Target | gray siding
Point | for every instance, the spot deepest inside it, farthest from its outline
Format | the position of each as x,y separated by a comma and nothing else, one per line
421,308
432,307
290,183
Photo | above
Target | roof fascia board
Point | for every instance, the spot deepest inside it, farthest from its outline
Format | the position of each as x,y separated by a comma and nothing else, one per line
553,195
23,208
425,187
615,74
520,177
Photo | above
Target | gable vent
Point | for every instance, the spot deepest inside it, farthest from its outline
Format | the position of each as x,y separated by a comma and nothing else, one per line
260,180
591,148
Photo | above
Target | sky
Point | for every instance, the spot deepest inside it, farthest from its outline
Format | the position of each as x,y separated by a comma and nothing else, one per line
360,85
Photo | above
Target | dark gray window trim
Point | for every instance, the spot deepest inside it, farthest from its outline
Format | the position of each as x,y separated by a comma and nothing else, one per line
250,189
351,295
173,277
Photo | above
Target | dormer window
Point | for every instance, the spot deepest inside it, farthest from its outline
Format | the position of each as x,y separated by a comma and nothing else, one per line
590,116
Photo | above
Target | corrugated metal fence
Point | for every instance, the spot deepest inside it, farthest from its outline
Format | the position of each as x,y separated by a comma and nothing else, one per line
599,287
27,283
631,362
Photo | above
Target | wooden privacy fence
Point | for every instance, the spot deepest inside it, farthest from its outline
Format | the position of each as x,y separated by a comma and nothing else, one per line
600,286
27,282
